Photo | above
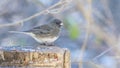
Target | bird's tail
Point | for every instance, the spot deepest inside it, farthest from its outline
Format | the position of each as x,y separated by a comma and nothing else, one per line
20,32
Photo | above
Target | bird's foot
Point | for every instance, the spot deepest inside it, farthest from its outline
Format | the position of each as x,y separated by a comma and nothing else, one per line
44,44
51,44
48,44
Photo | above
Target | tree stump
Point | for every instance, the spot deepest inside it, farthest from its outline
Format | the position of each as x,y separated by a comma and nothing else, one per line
34,57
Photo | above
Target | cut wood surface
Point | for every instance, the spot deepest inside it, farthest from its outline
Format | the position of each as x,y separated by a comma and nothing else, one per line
34,57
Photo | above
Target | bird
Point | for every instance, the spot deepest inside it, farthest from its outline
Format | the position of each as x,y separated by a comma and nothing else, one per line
45,34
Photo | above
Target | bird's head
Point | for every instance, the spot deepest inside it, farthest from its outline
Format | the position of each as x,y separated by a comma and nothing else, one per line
56,22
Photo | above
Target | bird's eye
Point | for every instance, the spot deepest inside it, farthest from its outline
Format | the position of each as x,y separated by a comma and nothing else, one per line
58,22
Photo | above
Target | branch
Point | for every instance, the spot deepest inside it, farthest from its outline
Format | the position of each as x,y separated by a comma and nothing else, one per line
56,8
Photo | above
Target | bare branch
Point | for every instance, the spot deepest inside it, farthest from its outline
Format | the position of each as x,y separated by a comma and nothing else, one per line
56,8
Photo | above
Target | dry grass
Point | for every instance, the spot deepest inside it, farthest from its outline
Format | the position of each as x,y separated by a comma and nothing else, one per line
93,28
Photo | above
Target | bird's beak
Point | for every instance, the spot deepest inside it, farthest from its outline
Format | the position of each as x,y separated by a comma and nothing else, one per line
61,24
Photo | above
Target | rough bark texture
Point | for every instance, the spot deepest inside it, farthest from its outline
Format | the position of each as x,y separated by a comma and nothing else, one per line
35,57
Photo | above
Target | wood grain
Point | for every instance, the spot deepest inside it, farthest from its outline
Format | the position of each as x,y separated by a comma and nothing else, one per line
28,56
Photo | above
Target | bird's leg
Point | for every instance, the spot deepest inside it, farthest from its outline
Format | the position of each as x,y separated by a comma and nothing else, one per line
51,44
47,44
43,44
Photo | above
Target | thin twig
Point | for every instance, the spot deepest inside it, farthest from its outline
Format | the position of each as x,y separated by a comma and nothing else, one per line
103,53
106,51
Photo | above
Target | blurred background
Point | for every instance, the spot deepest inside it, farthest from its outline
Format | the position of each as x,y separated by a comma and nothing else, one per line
91,28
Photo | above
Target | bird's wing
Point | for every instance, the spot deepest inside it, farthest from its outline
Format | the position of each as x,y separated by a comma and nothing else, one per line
44,29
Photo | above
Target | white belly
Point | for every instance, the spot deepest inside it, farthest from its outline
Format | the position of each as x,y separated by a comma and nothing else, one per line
45,40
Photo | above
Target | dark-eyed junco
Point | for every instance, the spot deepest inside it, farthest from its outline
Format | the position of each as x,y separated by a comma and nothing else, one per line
44,34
